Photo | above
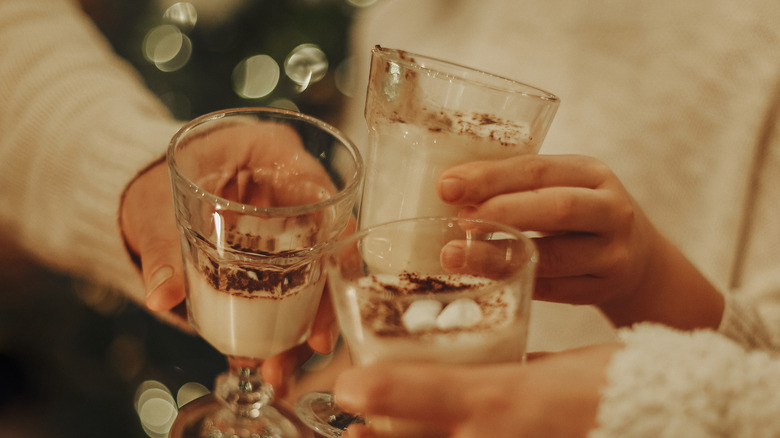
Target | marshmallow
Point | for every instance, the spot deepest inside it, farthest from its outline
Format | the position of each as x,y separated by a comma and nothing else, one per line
421,315
462,312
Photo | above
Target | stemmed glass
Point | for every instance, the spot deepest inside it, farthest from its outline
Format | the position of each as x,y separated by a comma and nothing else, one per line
437,290
260,195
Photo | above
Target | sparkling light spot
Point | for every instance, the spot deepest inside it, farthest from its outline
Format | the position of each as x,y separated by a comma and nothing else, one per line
156,408
167,47
182,14
189,392
285,104
255,77
361,3
306,64
344,78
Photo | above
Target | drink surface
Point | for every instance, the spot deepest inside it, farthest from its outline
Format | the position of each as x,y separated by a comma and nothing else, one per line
443,318
406,159
245,307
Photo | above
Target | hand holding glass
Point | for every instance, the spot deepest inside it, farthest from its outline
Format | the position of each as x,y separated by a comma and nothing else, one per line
461,298
425,115
259,195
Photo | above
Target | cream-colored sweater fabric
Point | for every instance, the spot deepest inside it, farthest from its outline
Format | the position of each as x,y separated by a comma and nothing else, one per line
76,125
680,99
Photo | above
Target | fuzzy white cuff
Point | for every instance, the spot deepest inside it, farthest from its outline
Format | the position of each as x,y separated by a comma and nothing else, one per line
667,383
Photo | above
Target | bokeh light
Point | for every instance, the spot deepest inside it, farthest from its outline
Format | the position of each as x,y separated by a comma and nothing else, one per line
182,14
255,76
344,78
306,64
167,47
189,392
156,408
361,3
284,103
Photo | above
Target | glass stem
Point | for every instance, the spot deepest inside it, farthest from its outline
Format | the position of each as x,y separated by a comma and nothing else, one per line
242,387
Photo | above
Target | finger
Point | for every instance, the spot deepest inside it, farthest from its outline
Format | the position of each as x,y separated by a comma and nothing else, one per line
494,259
571,290
324,332
572,254
549,209
279,369
535,355
358,431
163,277
263,164
476,182
384,390
154,238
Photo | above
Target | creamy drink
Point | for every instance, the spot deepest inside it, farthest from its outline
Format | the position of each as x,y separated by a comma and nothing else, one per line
458,319
260,196
253,311
406,159
426,115
256,295
395,308
445,319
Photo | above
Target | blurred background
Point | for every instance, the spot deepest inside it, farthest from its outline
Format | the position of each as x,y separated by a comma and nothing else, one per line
79,361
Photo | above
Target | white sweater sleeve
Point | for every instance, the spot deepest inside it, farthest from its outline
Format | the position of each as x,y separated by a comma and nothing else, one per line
749,320
667,384
76,125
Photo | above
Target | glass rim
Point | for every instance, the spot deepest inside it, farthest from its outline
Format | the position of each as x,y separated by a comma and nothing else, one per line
278,113
513,85
532,257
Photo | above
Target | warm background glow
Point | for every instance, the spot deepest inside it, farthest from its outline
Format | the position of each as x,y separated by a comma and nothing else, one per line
77,361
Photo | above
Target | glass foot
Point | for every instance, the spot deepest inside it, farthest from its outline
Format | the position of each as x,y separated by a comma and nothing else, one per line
318,411
208,417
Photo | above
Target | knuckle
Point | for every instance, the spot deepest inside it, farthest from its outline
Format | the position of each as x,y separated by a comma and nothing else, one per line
626,214
595,167
620,256
550,262
565,209
375,391
598,167
492,399
535,168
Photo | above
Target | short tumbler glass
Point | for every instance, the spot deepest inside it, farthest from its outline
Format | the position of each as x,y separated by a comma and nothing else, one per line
462,297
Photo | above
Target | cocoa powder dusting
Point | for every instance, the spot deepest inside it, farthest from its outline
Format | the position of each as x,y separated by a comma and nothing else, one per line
250,282
384,316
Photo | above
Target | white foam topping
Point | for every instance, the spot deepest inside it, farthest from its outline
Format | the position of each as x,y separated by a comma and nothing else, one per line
421,315
461,313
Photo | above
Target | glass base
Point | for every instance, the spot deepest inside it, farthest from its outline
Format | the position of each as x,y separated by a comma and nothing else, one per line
209,417
319,411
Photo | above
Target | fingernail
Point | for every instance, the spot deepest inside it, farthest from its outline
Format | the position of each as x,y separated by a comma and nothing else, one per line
451,189
159,277
453,256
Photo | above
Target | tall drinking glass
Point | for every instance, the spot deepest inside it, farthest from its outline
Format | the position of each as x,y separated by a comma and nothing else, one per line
260,195
465,300
425,115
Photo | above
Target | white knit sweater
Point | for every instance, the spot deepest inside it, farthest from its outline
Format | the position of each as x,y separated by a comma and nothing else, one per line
76,125
680,99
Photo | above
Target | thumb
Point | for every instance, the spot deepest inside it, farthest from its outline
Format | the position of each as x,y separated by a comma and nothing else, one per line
161,267
149,226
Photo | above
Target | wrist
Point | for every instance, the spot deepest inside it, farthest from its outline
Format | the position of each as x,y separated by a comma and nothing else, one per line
672,291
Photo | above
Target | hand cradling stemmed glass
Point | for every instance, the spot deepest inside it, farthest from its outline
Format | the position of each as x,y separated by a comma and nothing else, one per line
260,195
